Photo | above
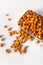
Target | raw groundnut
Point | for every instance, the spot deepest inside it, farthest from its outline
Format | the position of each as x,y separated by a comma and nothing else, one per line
10,28
22,51
12,33
5,26
6,14
2,39
1,44
37,41
8,51
9,19
1,36
30,37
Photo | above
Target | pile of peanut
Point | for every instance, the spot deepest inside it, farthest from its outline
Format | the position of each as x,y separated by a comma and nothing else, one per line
20,39
31,23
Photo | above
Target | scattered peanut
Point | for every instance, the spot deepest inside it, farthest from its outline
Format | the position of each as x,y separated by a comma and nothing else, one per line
9,19
8,51
6,14
13,32
1,44
5,26
2,39
1,36
9,29
37,41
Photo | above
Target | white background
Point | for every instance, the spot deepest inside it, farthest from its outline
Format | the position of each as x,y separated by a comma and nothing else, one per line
16,8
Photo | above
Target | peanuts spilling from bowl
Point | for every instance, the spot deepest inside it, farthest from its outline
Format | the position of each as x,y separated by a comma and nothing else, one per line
32,23
31,26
